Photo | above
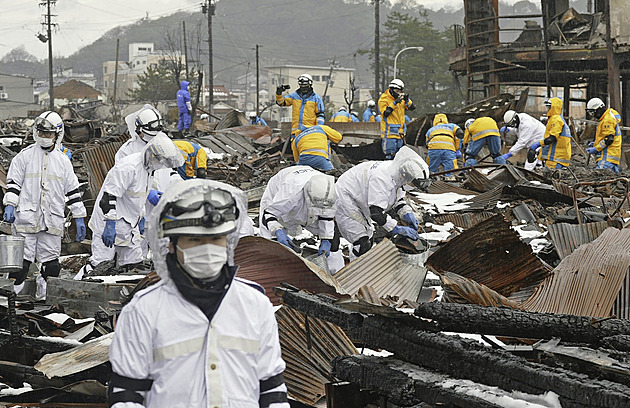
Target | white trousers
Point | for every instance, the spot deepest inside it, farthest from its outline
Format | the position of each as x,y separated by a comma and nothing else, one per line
127,245
41,246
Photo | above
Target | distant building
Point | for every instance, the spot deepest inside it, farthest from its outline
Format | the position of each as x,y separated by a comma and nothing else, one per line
16,96
71,92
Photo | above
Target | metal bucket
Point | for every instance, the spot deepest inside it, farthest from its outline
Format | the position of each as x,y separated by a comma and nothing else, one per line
11,253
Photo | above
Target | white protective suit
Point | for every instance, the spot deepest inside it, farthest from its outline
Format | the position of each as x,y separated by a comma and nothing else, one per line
129,181
530,131
38,184
373,183
162,337
135,144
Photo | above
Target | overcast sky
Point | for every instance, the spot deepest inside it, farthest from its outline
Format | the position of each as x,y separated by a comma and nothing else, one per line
81,22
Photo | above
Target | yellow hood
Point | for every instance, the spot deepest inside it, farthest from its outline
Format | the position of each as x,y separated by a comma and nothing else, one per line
556,107
439,119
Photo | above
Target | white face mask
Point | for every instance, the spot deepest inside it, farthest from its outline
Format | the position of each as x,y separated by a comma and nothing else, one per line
204,261
43,141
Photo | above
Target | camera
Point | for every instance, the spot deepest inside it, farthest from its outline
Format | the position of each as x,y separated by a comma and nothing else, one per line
285,87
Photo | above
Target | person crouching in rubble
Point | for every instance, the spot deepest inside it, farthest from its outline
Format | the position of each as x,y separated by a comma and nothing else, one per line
555,148
142,125
607,143
196,160
443,141
366,192
479,132
529,129
312,147
39,181
200,337
117,220
300,197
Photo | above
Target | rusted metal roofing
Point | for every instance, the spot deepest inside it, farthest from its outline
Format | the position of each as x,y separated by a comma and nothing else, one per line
587,282
621,308
491,254
567,237
98,159
385,270
75,360
479,182
485,201
269,263
463,220
458,289
439,187
308,348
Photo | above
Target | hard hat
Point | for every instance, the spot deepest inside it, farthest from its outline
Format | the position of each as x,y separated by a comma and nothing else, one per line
342,109
149,121
320,196
251,114
595,107
510,118
397,84
469,122
202,213
355,113
371,103
48,121
305,79
161,152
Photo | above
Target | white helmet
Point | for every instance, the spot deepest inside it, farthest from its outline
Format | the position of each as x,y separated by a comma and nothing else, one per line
161,152
251,114
469,122
397,84
412,172
595,107
48,121
320,196
511,118
342,109
371,103
204,213
305,79
149,121
547,103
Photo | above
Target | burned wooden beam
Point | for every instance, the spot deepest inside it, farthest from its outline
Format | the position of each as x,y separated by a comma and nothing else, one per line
519,323
464,358
404,384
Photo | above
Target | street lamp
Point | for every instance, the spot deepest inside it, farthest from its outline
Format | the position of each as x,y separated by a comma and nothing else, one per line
404,49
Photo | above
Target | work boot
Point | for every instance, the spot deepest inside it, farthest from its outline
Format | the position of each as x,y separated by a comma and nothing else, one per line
18,288
40,292
85,270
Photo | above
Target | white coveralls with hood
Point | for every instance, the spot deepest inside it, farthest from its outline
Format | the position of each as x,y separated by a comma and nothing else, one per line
39,181
301,197
193,341
367,191
120,203
530,130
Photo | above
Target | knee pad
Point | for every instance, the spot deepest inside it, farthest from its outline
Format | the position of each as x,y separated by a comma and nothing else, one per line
361,245
51,268
334,244
20,276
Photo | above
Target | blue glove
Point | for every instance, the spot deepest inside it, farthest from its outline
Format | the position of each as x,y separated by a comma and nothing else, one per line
284,239
69,154
406,231
324,247
9,213
506,156
141,226
411,220
154,196
80,223
109,234
458,154
591,144
591,150
535,146
504,129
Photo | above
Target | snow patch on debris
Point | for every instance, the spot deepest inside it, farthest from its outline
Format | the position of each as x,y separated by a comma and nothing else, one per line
444,202
499,397
26,387
441,233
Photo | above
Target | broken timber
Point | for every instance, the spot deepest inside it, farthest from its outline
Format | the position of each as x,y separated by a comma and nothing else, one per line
463,358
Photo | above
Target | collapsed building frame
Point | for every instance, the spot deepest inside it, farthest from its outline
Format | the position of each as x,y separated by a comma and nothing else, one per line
570,50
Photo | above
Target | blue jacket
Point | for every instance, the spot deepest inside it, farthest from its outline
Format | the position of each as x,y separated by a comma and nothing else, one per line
183,98
258,121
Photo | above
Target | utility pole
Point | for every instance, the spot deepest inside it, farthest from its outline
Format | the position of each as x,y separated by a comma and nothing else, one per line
208,8
116,80
185,50
377,50
257,81
332,66
48,23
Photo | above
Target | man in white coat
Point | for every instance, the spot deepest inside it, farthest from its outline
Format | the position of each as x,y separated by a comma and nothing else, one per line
366,192
200,337
301,197
119,210
529,130
39,181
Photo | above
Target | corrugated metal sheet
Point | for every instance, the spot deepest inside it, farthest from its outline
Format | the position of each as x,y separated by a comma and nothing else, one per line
439,187
485,201
566,189
567,237
490,254
621,308
385,270
463,220
270,263
479,182
458,289
587,282
80,358
98,159
309,353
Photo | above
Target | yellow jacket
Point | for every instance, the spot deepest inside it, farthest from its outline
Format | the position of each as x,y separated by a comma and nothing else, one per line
609,125
307,110
480,128
393,126
195,157
558,152
314,141
443,134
